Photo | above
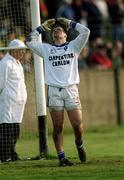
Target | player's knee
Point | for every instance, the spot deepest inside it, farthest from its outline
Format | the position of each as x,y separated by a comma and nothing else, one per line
78,127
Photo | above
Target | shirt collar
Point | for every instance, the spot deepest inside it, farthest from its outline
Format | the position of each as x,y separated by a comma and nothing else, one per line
12,58
61,45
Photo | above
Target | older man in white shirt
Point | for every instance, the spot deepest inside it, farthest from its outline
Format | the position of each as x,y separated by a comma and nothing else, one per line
13,97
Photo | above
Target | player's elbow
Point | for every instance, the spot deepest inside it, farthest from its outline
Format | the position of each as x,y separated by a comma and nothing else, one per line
88,34
87,30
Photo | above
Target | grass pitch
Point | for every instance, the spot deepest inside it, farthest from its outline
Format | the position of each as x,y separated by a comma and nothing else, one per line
105,150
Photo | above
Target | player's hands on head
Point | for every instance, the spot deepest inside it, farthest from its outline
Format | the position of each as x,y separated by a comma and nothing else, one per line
46,25
65,22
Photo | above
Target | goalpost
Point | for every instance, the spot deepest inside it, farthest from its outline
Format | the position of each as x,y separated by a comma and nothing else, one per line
17,19
40,88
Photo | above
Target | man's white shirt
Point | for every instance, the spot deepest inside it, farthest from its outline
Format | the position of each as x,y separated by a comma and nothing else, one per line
13,92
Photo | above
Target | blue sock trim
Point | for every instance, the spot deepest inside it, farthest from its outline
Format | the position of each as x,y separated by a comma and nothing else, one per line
40,29
61,155
73,24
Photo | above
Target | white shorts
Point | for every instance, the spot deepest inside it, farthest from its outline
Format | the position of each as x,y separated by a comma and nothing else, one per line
60,98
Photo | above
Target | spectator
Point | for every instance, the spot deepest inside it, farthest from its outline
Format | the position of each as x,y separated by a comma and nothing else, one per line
65,10
43,10
99,58
12,100
116,11
77,8
52,7
102,6
94,19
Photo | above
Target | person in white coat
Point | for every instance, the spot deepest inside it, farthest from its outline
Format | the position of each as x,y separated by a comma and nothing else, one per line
13,97
62,77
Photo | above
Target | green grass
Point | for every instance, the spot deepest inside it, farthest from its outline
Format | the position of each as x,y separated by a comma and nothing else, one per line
105,149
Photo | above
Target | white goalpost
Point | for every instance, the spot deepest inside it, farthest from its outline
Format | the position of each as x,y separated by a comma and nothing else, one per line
40,87
17,19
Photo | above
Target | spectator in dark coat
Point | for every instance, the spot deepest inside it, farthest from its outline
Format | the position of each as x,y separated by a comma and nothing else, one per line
116,12
94,19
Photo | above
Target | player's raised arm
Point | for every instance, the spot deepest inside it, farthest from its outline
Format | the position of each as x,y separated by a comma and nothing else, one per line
83,36
32,40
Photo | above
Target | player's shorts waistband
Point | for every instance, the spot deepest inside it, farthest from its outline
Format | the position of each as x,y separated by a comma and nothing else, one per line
60,88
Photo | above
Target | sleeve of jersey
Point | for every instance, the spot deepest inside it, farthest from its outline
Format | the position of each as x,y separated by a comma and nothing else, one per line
33,41
82,38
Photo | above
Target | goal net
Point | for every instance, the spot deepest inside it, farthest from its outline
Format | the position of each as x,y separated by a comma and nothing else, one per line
15,22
